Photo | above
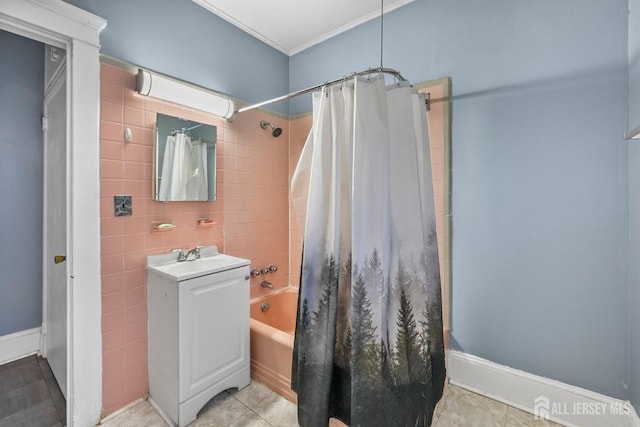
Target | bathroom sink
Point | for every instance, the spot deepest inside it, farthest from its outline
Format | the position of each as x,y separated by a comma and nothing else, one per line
210,261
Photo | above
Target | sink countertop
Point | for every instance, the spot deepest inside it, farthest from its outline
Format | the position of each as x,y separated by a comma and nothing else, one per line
210,261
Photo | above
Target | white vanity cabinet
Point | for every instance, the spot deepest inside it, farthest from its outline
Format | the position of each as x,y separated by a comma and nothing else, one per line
198,337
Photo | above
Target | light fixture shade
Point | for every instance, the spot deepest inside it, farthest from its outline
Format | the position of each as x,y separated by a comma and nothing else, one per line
150,84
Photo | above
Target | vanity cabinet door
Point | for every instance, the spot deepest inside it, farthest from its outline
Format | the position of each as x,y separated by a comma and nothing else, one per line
214,329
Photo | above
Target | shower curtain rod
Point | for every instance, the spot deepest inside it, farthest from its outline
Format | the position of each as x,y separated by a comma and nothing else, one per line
383,70
186,129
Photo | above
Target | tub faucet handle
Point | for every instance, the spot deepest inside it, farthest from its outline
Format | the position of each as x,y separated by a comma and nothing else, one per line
273,268
264,270
255,273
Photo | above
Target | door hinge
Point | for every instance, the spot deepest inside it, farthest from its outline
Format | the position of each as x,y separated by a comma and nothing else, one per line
44,123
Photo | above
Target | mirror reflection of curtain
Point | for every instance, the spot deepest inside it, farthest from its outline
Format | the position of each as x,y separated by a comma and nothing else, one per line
184,169
169,167
197,187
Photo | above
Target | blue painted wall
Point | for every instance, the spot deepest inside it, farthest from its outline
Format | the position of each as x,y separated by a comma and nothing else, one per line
540,200
183,40
21,99
634,204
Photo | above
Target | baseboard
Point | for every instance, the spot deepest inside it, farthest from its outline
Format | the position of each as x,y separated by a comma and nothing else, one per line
556,401
18,345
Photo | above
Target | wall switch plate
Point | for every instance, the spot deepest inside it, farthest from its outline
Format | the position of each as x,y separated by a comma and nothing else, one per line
122,205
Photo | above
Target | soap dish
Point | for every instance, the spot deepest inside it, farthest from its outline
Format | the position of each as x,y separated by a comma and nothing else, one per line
161,226
205,223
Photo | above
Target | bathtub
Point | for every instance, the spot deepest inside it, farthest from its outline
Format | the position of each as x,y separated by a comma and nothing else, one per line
272,340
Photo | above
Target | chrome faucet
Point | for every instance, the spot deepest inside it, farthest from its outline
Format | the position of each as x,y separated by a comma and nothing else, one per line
185,257
266,284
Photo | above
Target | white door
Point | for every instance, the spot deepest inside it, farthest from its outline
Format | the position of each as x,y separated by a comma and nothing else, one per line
55,229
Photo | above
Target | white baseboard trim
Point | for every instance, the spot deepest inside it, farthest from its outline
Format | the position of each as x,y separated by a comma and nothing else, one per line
19,344
566,404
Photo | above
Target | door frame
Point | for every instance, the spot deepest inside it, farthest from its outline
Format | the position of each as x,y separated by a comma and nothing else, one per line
60,24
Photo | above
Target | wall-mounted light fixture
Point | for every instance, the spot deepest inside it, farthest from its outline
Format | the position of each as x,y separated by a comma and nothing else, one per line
157,86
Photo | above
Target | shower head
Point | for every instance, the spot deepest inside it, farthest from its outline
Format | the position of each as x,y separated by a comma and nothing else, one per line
276,131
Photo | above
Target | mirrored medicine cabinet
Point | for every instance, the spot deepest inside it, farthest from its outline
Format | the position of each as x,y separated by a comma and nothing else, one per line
184,160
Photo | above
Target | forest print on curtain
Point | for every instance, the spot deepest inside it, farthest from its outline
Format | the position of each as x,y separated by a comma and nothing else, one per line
368,345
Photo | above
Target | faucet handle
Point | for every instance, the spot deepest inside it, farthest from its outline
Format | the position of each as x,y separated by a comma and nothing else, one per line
195,251
273,268
180,252
255,273
264,270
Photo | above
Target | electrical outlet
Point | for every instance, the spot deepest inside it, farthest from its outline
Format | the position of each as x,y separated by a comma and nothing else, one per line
122,205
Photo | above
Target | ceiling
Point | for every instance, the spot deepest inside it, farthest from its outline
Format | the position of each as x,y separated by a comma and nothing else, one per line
294,25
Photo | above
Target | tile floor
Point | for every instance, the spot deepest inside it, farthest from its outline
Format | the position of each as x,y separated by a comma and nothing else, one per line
257,406
29,395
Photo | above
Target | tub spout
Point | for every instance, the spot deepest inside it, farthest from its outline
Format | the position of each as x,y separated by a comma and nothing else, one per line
265,284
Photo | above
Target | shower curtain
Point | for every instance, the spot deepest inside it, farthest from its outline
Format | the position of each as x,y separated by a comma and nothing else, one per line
184,169
368,345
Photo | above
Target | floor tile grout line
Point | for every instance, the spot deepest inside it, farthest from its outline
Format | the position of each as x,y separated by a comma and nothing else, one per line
251,409
260,416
